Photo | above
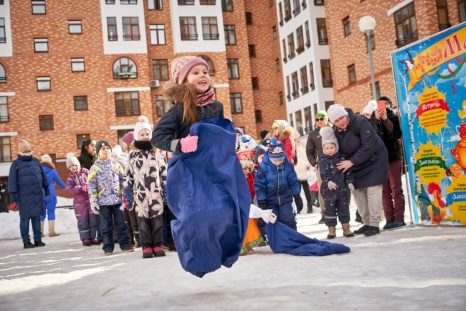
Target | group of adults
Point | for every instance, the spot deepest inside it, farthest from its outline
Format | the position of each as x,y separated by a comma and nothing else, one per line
372,149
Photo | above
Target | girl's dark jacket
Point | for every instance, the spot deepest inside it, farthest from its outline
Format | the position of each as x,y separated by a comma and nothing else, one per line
27,184
171,128
365,149
390,132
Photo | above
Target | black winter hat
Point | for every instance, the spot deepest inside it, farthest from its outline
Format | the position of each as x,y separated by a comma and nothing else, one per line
101,143
260,151
263,133
386,99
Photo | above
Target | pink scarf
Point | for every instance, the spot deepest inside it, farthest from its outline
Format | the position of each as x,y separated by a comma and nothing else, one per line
206,98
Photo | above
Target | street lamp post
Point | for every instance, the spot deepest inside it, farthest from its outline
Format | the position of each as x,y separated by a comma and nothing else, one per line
367,25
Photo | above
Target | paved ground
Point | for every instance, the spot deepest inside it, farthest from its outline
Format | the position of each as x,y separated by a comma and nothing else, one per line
413,268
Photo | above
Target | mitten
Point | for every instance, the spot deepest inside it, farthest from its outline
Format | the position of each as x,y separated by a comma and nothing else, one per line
189,144
95,209
331,185
84,188
262,204
299,202
350,186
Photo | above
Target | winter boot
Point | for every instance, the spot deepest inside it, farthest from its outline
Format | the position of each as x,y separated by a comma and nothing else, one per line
322,220
309,208
147,252
39,243
28,245
52,232
331,233
361,230
158,251
136,237
358,217
346,231
41,229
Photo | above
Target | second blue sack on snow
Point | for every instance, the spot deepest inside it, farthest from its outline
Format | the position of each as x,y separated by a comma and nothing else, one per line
208,194
283,239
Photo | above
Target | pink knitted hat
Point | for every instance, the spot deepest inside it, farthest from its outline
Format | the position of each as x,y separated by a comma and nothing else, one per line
128,138
181,67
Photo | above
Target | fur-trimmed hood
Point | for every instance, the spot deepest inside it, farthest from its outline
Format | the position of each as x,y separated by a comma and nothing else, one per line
49,164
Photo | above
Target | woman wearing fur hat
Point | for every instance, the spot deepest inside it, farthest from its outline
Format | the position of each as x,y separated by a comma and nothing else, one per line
145,174
283,133
302,167
77,185
51,201
27,184
367,160
194,100
335,185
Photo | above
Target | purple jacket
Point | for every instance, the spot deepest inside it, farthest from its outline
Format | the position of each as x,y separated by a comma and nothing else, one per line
74,185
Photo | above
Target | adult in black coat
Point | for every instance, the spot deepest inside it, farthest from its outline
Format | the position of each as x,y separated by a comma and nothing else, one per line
367,162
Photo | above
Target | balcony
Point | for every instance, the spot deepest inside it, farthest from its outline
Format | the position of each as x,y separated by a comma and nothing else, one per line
210,36
125,75
189,36
327,83
323,41
408,38
131,37
134,111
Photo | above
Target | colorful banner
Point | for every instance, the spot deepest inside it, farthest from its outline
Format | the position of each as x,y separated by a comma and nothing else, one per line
430,81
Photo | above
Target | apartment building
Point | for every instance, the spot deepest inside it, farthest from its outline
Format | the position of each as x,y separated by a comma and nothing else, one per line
398,23
305,60
71,70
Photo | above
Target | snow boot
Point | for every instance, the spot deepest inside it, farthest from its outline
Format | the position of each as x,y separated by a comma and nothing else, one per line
28,245
158,251
39,243
52,232
147,252
331,233
361,230
346,231
136,237
42,229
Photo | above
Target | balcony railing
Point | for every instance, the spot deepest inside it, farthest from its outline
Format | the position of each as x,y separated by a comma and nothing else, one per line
121,112
131,37
2,79
408,38
112,37
189,36
323,41
327,83
125,75
211,36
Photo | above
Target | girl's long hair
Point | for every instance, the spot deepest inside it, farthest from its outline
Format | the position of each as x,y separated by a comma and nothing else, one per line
184,94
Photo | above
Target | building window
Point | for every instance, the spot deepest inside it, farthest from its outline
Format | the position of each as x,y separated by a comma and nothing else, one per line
210,63
157,34
294,85
307,120
280,12
442,14
155,4
318,2
258,114
328,104
41,45
287,10
462,10
299,40
281,100
112,29
230,36
188,28
352,74
227,5
377,90
128,1
326,73
285,59
255,83
288,88
185,2
233,68
307,34
162,106
304,83
4,116
131,29
291,120
371,41
38,7
252,50
236,103
77,64
80,102
46,123
75,27
291,46
405,25
160,69
299,122
277,64
2,74
322,31
346,26
207,2
2,31
80,138
249,18
43,84
127,104
210,28
124,68
5,149
274,32
311,76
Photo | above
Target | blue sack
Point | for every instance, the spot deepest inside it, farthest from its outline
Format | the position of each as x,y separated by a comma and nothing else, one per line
208,194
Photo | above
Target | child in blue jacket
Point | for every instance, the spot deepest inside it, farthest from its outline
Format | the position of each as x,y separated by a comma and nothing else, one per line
276,184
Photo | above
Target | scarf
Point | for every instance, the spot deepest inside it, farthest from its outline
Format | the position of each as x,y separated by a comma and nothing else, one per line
143,145
206,98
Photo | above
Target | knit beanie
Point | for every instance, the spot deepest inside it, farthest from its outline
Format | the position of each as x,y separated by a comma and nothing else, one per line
276,150
23,146
101,143
322,114
260,150
72,160
336,111
370,107
128,138
116,151
263,134
182,65
386,99
328,137
45,158
143,123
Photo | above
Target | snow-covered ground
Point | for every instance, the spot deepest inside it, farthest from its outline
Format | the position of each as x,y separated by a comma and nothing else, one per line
412,268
